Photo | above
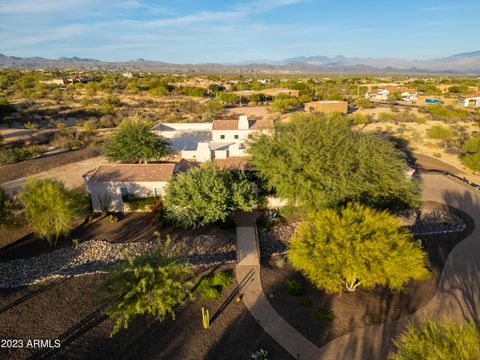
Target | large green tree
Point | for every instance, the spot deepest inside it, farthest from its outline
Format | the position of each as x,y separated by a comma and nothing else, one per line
50,209
152,285
438,340
319,161
356,246
207,194
134,142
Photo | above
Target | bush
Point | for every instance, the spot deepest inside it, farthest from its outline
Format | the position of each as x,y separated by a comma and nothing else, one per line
294,287
318,161
206,195
438,340
439,132
210,287
50,209
152,285
324,316
6,206
356,246
134,142
446,113
138,204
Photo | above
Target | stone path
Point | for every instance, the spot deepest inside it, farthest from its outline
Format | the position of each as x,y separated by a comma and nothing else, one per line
457,296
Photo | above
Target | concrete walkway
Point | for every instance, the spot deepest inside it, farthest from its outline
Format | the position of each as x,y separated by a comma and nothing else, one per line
457,296
248,276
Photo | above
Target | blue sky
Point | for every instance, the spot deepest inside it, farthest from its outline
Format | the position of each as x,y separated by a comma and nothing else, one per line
192,31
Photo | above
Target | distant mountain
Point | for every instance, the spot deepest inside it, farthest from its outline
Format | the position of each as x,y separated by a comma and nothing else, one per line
465,63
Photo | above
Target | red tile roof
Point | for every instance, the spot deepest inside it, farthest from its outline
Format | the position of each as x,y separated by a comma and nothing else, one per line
131,172
233,124
232,162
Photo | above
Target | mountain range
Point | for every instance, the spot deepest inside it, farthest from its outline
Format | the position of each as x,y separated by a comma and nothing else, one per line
465,63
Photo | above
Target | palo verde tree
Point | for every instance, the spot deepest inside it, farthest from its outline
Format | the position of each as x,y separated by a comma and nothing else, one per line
152,285
134,142
50,208
438,340
207,194
319,161
356,246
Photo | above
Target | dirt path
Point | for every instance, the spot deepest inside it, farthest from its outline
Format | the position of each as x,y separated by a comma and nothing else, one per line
69,174
35,166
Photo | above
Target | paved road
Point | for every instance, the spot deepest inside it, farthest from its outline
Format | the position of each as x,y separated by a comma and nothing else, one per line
457,296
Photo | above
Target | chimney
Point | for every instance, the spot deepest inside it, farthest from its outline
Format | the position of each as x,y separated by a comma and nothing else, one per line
243,123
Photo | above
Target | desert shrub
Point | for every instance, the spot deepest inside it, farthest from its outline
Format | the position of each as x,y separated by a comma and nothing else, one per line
356,246
318,161
134,142
193,91
443,340
446,113
6,207
207,194
138,203
69,138
210,287
324,315
439,132
364,103
152,285
294,287
50,209
284,103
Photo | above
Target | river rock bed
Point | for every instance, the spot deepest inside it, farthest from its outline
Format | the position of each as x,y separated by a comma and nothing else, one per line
431,221
99,256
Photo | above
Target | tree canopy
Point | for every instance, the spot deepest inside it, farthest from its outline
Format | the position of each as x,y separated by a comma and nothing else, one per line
356,246
318,161
50,208
134,142
153,285
471,153
207,194
438,340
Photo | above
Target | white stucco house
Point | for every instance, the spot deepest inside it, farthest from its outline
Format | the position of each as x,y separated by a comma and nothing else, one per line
383,93
109,184
472,102
221,139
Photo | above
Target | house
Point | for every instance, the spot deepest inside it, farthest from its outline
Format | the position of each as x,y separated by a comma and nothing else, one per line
473,101
327,106
109,184
60,82
382,94
207,141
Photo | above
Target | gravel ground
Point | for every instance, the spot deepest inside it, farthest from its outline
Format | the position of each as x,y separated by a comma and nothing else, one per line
95,256
98,256
431,221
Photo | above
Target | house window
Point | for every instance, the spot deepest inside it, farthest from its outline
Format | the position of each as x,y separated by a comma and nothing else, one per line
124,191
158,191
222,137
235,136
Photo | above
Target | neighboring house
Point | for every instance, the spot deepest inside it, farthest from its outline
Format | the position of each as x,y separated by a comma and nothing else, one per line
60,82
473,101
207,141
109,184
327,106
383,93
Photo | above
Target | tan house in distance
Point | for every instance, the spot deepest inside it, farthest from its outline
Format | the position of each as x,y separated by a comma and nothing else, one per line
327,106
